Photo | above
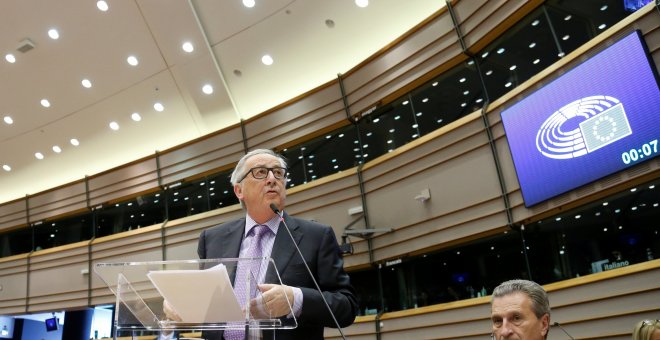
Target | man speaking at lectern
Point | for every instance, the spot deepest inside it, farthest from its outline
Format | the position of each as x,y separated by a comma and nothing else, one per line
259,181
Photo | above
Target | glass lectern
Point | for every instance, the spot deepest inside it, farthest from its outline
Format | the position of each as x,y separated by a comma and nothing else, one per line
189,296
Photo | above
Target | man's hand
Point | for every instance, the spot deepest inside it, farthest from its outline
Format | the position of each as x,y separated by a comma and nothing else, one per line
275,301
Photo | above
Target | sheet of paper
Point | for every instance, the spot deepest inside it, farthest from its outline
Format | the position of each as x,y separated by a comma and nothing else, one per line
199,296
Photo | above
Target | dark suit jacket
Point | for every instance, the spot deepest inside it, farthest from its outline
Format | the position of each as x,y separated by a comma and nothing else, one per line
318,245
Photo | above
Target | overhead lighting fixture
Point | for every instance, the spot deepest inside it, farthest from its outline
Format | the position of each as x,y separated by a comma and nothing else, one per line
45,103
566,37
362,3
159,107
136,117
425,100
466,92
603,8
500,50
536,61
57,149
132,60
8,120
188,47
86,83
267,60
102,5
532,45
207,89
39,155
53,34
536,22
114,126
434,84
6,167
405,102
74,142
507,84
489,72
513,67
248,3
10,58
602,26
462,80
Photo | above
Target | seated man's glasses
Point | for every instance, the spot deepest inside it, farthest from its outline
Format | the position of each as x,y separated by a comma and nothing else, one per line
261,172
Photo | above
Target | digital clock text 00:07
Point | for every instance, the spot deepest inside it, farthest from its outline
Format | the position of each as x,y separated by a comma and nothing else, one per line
646,150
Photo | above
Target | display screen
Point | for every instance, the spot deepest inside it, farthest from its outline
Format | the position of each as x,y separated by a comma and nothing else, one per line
596,119
51,324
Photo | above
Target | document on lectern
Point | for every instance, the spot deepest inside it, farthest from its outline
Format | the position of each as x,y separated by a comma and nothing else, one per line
198,296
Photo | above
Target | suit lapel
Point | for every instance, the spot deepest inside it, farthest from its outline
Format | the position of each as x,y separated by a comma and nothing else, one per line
229,244
283,250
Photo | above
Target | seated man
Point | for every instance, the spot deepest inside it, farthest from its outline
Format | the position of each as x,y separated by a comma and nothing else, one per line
520,310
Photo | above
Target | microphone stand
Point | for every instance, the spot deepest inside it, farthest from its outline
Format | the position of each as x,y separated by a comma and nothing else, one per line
281,215
563,330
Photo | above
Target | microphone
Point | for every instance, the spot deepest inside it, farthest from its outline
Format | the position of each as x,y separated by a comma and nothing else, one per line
281,215
563,330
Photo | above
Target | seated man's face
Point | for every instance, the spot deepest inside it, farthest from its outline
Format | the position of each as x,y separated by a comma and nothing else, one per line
513,318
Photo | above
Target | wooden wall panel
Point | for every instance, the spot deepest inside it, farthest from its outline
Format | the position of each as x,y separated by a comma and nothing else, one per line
13,213
64,199
13,279
131,179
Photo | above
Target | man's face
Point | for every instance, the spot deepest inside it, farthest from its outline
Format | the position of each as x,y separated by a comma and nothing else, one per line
258,194
513,318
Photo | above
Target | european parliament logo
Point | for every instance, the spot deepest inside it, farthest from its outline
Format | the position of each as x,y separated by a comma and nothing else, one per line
602,121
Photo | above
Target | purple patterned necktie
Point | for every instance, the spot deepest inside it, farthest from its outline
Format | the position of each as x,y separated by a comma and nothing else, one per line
244,268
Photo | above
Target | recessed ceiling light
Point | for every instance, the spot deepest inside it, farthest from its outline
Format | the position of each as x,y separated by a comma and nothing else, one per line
102,5
39,155
479,100
532,45
208,89
463,104
57,149
434,84
405,102
535,22
484,55
418,114
53,34
602,26
188,47
114,126
489,72
10,58
603,8
159,107
248,3
9,120
536,61
6,167
362,3
507,84
466,92
462,80
566,37
513,67
74,142
568,17
45,103
136,117
86,83
425,100
500,50
267,59
561,54
132,60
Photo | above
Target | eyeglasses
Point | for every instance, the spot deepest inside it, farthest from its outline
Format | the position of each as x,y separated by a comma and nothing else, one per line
261,172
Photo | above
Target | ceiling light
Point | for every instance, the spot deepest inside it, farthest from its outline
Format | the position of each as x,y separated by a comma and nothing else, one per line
208,89
535,22
10,58
605,204
463,104
405,103
603,8
484,55
267,60
114,126
633,189
561,54
132,60
479,100
439,121
507,84
489,72
577,217
102,5
39,155
462,80
389,141
566,37
376,120
536,61
558,219
532,45
513,67
159,107
392,130
74,142
602,26
136,117
418,114
500,50
415,136
57,149
397,117
369,134
362,3
652,186
466,92
188,47
53,34
248,3
45,103
6,167
8,120
434,84
86,83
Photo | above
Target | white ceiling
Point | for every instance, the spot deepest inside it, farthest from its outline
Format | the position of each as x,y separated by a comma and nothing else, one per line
227,37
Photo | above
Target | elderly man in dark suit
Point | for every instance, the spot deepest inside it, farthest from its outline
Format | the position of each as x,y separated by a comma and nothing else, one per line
259,180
